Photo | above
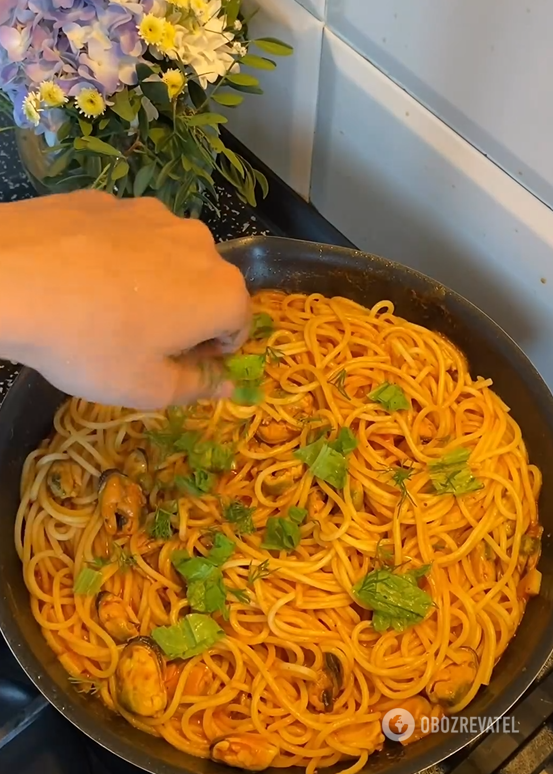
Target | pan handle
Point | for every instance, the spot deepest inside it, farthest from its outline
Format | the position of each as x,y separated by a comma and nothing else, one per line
492,751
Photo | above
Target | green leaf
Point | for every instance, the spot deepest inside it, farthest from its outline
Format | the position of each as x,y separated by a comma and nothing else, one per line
96,146
242,79
85,126
198,484
160,136
157,94
309,453
205,589
194,634
263,183
452,475
143,179
234,160
120,169
281,535
232,9
160,528
396,600
123,107
206,119
88,581
216,143
64,131
247,394
60,163
143,71
102,125
211,456
273,46
227,99
259,62
330,466
391,397
297,515
165,172
223,549
345,443
197,94
240,516
262,326
245,368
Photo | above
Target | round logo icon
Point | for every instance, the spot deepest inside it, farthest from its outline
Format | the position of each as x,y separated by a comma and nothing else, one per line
398,724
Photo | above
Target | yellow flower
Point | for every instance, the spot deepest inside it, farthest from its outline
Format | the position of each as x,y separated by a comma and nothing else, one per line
31,107
174,80
90,102
51,94
168,35
151,29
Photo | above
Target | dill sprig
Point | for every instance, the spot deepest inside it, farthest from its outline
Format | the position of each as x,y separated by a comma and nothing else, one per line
339,382
259,572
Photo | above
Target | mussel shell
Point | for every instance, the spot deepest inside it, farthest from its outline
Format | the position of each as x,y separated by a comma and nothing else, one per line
141,691
105,475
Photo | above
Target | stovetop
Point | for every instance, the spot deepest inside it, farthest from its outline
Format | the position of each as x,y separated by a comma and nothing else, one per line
36,739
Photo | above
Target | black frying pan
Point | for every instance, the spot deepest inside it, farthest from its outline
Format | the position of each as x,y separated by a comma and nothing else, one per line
26,418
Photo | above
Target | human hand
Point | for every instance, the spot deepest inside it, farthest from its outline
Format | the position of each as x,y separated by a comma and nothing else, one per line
117,301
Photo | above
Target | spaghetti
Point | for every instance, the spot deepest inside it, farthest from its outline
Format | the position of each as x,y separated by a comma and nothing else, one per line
263,583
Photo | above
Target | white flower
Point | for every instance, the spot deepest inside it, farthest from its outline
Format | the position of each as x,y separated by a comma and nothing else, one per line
237,25
239,49
31,107
206,47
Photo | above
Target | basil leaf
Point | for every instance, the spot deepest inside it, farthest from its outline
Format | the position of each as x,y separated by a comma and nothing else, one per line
205,589
345,443
245,368
297,515
396,600
88,581
223,549
452,475
391,397
199,483
309,453
262,326
192,635
240,516
160,528
247,395
281,535
330,466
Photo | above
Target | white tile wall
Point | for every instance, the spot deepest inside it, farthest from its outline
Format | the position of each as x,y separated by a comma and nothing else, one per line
398,182
317,7
279,126
483,66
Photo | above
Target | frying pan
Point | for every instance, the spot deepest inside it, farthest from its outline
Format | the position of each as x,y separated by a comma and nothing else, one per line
26,418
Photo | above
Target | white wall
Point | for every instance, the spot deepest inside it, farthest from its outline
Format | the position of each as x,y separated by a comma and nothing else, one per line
388,117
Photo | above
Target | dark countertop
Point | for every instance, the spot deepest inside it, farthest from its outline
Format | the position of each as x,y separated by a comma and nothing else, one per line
236,220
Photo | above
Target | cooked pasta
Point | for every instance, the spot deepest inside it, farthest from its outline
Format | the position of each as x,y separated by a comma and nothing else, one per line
262,583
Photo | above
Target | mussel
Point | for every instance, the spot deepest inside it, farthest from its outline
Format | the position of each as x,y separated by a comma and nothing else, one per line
121,502
117,618
245,751
452,682
136,465
277,483
276,433
140,678
324,691
64,479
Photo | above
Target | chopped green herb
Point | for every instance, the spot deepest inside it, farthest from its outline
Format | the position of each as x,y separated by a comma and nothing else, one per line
199,483
391,397
88,581
396,600
262,326
211,456
178,556
124,558
383,555
339,382
160,528
452,475
168,435
247,394
283,534
192,635
274,355
205,588
324,462
345,443
259,572
223,548
240,516
245,368
186,441
399,477
99,561
241,595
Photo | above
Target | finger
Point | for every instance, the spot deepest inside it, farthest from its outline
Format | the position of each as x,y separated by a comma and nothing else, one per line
191,378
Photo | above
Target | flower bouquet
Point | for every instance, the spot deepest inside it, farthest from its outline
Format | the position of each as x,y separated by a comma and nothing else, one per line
126,94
